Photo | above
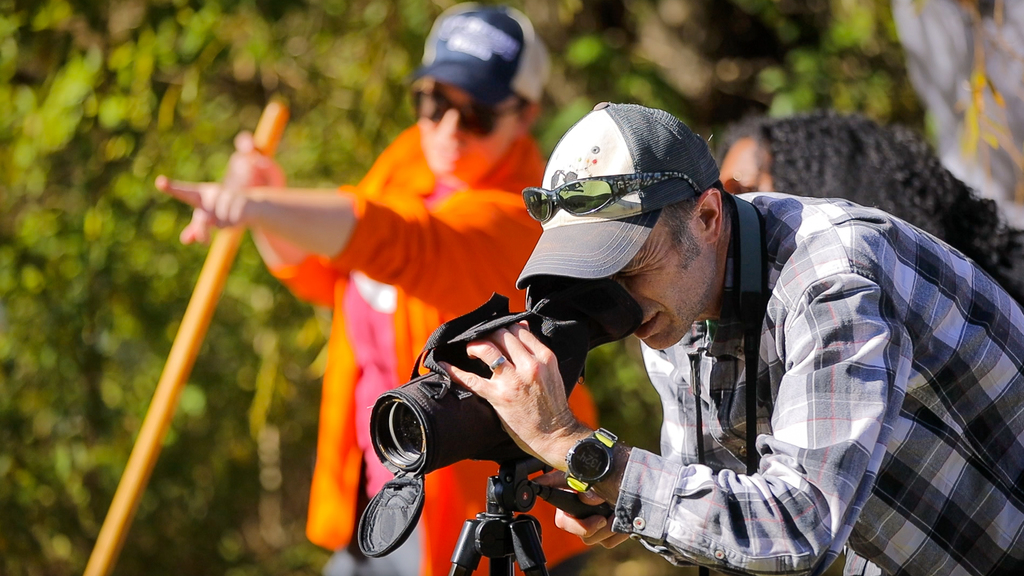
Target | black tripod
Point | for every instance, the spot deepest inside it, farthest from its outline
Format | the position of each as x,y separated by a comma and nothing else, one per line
505,537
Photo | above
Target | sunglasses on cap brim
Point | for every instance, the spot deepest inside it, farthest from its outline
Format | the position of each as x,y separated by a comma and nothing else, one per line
473,117
589,195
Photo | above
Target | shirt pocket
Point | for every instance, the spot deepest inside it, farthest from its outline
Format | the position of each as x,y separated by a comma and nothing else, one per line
728,404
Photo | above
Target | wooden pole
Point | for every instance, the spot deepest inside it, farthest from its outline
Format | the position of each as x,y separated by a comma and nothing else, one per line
176,370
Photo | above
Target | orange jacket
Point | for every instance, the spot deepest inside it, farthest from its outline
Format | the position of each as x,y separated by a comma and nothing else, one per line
444,261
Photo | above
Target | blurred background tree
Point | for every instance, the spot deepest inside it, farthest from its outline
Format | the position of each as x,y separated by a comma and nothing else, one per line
100,97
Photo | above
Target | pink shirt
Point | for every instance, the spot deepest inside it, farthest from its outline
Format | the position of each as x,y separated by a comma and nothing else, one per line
369,309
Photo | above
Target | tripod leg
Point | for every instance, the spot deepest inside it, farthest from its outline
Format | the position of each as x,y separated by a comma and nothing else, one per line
526,542
466,556
502,566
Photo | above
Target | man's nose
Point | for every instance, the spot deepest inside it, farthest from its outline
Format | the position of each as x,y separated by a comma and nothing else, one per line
449,123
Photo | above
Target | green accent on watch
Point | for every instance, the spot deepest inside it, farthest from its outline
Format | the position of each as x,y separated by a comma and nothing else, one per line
606,437
590,460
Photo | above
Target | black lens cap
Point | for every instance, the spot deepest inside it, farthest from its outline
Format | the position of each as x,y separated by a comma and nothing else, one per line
391,516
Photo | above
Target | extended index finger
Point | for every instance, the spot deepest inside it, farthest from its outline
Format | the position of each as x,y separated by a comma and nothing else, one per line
188,192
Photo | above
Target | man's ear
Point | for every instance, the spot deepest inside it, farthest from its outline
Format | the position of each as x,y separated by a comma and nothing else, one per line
709,216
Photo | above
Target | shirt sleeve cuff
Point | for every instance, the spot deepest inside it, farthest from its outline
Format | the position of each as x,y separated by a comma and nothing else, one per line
645,495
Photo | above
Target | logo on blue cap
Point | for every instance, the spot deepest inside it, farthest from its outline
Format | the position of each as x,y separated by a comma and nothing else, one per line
471,35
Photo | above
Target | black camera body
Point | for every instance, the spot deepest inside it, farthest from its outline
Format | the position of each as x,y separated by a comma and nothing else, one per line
431,422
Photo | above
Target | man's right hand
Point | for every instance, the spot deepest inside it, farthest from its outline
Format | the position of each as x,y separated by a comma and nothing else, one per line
223,205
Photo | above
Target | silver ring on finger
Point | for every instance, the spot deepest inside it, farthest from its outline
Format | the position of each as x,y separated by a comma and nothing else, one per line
498,363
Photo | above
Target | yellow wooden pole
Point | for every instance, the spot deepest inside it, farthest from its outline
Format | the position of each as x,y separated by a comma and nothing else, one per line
176,370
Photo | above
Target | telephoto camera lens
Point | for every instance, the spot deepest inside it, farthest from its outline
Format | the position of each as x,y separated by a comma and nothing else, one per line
416,431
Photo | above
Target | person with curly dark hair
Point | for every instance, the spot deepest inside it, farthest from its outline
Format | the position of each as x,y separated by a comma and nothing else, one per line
830,155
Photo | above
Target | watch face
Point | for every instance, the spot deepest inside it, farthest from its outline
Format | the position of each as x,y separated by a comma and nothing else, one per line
589,460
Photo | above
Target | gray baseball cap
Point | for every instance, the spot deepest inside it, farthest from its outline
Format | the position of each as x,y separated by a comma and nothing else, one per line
616,139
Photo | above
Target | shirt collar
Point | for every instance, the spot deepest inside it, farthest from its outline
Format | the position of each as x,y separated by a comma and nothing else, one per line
728,337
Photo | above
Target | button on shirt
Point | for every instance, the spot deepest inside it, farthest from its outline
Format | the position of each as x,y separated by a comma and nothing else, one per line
890,419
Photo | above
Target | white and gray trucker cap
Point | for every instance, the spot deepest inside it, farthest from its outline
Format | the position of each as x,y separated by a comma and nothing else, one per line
617,139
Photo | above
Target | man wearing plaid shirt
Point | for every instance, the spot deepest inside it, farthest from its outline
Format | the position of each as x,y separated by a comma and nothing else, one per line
889,386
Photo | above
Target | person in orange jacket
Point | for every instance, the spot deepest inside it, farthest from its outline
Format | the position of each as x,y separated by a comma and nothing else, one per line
434,228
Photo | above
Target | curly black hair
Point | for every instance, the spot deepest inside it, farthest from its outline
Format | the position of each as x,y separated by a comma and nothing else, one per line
830,155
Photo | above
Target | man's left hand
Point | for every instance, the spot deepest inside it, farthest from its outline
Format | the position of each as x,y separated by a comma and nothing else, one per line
592,530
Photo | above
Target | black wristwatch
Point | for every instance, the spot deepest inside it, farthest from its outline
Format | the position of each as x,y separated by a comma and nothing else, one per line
590,460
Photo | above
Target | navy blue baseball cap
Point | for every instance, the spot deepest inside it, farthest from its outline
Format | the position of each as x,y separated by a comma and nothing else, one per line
491,52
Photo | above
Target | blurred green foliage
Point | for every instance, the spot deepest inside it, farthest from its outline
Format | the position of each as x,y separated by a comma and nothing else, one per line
100,97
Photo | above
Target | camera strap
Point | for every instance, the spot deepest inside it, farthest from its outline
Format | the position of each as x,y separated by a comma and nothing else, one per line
752,273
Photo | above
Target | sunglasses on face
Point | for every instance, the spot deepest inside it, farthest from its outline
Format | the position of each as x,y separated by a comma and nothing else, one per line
473,117
589,195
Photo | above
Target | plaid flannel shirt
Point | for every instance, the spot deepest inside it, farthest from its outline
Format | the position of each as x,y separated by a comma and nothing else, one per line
890,411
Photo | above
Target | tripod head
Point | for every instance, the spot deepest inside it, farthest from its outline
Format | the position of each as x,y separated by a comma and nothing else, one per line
513,491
